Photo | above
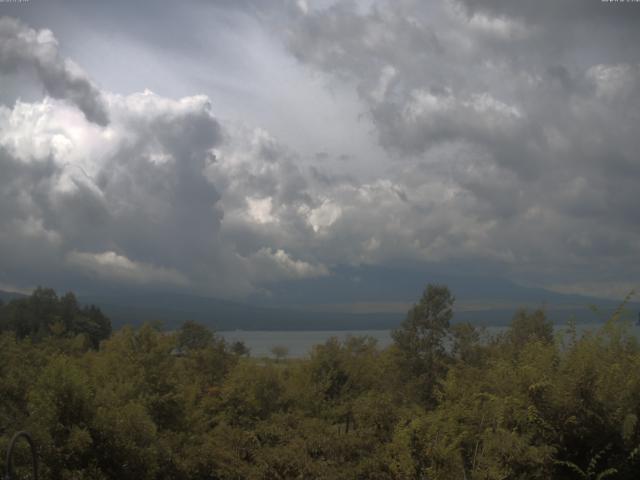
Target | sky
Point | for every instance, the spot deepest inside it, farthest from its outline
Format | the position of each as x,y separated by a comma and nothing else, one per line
229,147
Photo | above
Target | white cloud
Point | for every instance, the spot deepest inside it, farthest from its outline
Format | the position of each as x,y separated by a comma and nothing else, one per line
614,80
118,267
260,209
267,265
501,27
325,215
387,75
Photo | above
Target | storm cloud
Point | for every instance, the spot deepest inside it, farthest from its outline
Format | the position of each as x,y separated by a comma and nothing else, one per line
137,201
527,111
492,135
22,47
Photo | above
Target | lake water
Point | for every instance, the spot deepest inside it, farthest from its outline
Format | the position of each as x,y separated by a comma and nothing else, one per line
300,343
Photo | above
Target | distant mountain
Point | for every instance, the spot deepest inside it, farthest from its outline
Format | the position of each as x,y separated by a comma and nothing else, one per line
173,309
405,284
352,298
481,299
7,296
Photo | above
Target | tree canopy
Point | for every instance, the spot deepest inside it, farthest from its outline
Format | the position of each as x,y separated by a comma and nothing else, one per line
444,401
43,314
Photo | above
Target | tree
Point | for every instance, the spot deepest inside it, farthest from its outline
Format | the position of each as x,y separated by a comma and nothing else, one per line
420,340
240,349
194,336
61,406
280,352
529,327
252,392
43,314
466,346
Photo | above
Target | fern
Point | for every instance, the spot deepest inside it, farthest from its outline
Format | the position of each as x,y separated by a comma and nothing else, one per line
590,474
606,473
571,466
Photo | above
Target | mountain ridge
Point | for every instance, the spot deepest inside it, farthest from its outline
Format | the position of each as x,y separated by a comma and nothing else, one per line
371,311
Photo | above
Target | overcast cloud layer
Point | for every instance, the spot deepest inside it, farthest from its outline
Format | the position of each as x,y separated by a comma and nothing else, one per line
488,134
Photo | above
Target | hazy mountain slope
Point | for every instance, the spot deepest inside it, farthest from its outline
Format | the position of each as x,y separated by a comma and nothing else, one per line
7,296
351,299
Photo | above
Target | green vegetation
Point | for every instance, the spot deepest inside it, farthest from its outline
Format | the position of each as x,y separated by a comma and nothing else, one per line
44,314
443,402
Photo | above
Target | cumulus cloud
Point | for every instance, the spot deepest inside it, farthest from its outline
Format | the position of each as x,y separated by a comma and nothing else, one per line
116,267
521,111
548,12
142,199
135,187
509,131
22,47
124,200
267,265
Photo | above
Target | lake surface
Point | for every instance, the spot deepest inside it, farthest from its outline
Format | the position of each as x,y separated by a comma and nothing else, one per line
300,343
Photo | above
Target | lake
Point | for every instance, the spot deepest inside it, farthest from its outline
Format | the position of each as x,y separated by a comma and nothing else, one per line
300,343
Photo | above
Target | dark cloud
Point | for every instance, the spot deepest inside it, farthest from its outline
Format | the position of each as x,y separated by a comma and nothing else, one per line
549,11
507,128
138,201
130,198
23,47
524,108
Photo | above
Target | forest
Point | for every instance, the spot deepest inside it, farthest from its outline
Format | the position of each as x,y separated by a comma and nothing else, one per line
444,401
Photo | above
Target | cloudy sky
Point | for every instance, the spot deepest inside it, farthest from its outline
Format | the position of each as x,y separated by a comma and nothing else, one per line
226,147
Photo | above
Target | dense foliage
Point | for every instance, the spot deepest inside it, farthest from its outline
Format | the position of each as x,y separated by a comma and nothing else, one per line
443,402
43,314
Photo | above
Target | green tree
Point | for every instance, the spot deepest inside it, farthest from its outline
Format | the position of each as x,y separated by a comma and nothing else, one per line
420,340
194,336
279,352
240,349
252,392
61,410
529,327
43,314
467,347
